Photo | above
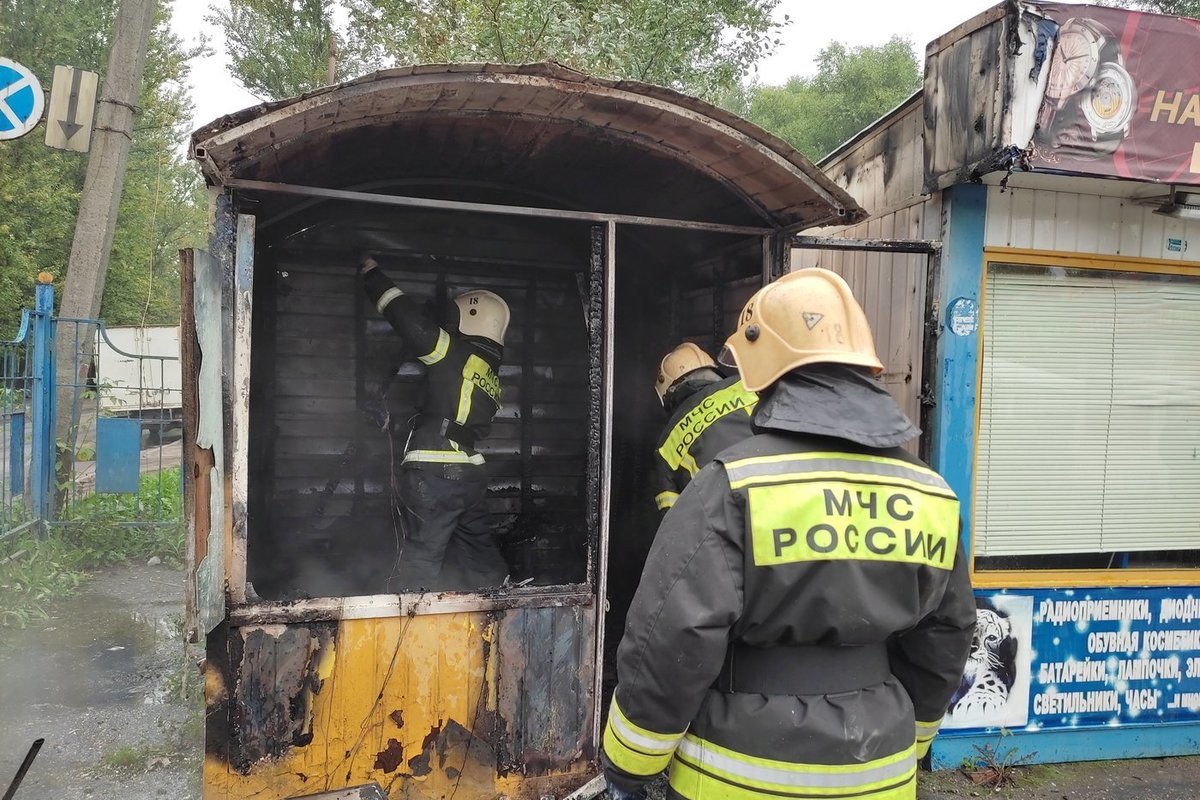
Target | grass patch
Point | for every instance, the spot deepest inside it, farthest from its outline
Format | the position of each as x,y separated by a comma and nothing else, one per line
127,758
1043,774
36,572
180,743
115,528
33,574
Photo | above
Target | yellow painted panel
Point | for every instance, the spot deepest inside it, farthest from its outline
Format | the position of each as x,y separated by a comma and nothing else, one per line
396,702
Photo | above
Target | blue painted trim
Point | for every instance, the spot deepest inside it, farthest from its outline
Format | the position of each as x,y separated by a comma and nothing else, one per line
953,435
118,455
16,453
1080,744
41,460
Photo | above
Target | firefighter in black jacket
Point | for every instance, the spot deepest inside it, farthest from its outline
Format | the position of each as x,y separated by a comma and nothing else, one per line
442,484
805,613
708,413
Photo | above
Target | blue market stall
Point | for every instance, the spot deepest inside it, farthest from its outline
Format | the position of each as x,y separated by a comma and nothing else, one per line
1052,351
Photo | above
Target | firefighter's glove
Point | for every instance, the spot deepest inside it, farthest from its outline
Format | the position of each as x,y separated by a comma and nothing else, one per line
366,263
615,793
375,413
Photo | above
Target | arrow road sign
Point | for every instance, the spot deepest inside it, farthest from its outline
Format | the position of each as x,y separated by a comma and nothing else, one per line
72,106
21,100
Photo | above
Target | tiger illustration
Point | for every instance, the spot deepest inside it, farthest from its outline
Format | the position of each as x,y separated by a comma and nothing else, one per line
991,667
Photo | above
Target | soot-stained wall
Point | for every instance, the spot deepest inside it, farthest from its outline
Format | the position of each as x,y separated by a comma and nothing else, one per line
329,371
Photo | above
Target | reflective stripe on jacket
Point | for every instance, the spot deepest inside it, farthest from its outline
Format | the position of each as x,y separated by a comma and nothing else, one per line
791,539
705,423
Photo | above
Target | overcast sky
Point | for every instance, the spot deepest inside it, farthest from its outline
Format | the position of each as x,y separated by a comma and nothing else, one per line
814,24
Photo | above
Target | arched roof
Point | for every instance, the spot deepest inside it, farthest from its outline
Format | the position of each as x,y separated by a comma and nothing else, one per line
537,130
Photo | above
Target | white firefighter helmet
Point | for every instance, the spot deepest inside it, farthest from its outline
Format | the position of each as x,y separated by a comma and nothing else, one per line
806,317
482,313
678,364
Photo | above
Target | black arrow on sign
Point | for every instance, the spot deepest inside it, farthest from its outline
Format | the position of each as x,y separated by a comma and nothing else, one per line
69,126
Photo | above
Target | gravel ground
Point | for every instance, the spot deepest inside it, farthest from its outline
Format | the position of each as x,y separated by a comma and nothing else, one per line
102,682
1142,779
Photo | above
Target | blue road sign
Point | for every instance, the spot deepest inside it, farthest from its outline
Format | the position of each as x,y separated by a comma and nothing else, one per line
21,100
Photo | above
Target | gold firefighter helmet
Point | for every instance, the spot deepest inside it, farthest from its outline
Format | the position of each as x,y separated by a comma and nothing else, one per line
808,316
679,363
482,313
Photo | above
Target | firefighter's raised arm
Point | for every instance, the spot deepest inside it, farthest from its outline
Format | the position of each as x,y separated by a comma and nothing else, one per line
405,316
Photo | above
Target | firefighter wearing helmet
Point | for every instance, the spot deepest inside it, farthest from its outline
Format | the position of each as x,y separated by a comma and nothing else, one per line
805,612
709,412
450,544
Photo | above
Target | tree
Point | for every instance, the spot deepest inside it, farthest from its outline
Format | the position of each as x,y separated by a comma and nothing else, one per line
1178,8
851,89
281,48
161,209
700,46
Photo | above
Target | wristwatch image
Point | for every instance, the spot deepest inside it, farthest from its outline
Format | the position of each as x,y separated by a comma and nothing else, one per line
1090,96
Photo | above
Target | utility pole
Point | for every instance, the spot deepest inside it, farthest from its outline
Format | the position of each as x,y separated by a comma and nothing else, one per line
105,179
98,204
331,68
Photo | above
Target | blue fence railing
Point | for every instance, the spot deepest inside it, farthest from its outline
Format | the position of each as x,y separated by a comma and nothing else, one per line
102,421
23,408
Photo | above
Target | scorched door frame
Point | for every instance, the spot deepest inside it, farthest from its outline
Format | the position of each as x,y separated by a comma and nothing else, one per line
232,241
932,249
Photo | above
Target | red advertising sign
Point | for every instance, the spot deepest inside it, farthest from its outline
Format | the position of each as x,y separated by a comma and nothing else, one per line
1122,97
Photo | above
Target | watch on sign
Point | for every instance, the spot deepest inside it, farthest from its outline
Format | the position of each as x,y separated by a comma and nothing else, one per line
1090,96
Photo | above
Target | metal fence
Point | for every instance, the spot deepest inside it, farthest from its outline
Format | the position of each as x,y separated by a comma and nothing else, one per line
87,412
16,423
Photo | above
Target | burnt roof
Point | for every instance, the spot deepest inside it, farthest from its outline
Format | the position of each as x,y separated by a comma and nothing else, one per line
538,131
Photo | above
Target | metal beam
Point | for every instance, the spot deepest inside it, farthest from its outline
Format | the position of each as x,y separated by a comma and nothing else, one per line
606,459
491,208
926,246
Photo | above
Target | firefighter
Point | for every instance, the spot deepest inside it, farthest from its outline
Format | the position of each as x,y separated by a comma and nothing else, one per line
708,413
442,483
805,613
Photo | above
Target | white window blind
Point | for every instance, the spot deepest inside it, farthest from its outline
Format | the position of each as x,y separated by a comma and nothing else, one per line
1089,423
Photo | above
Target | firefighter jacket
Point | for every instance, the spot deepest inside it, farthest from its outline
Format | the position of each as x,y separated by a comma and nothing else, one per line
462,383
801,624
713,416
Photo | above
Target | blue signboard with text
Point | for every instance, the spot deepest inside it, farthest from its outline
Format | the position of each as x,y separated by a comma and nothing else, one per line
1045,659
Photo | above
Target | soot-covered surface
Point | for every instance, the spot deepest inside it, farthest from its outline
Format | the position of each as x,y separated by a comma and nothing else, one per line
334,393
328,370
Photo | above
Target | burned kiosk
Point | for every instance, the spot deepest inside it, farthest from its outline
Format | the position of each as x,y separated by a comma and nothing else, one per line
615,218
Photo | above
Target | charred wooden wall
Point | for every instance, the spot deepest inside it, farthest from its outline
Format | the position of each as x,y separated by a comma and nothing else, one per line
966,95
329,371
656,310
472,705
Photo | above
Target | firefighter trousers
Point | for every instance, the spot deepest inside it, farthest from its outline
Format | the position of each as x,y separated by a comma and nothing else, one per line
450,544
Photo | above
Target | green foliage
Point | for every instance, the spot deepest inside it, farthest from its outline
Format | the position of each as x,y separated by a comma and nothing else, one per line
111,528
162,208
851,89
281,48
701,46
127,758
34,573
1178,8
995,766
